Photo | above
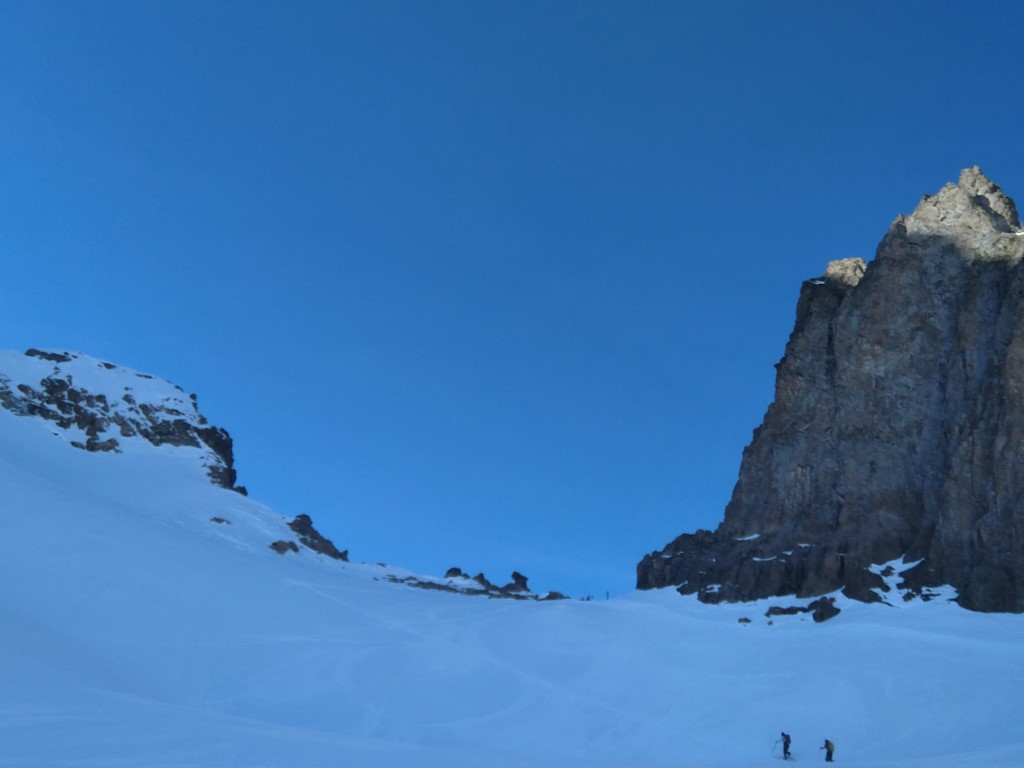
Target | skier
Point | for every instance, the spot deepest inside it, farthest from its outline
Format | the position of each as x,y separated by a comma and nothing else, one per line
785,745
829,748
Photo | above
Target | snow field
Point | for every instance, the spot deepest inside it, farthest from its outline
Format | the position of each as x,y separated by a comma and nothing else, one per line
137,632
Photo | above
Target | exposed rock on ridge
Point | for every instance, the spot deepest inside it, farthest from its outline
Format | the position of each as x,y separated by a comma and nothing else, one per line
98,405
897,429
461,583
314,540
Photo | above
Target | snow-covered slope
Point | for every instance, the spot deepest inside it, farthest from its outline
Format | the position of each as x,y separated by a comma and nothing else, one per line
137,631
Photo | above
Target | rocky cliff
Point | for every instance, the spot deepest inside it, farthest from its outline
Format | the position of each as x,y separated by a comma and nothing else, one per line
896,435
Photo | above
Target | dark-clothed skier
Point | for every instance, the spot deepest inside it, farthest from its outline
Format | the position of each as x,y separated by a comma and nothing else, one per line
786,740
829,748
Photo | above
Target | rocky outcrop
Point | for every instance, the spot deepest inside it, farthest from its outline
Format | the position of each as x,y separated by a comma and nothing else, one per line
98,405
897,429
311,538
822,609
283,547
457,581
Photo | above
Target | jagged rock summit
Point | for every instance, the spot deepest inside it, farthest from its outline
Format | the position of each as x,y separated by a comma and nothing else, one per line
98,406
892,458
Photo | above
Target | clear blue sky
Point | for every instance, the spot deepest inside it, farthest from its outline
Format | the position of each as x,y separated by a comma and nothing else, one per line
491,284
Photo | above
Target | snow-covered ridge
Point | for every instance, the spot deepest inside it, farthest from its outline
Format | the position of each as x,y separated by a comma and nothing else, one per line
99,406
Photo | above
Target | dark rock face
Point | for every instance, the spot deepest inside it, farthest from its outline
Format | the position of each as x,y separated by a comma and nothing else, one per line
897,428
103,417
310,537
284,547
518,583
822,609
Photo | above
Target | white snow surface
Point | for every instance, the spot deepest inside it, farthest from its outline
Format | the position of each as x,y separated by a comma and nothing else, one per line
137,632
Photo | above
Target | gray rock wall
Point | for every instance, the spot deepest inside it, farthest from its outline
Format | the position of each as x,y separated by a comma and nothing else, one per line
896,428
